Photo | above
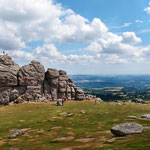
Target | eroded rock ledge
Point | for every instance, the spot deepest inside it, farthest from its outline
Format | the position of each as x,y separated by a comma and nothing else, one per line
31,82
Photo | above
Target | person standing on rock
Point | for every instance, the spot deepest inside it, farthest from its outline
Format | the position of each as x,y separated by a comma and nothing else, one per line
26,79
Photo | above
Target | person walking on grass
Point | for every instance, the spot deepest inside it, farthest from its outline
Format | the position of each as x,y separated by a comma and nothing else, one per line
62,102
95,101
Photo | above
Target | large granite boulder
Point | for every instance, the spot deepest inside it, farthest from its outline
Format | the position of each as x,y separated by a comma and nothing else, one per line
79,94
5,95
47,90
52,78
32,77
32,74
73,93
16,92
8,71
138,100
62,85
127,129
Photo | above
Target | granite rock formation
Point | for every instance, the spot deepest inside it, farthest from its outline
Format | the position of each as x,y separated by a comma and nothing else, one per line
31,82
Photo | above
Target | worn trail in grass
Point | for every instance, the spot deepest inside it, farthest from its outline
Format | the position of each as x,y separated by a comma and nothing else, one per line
47,122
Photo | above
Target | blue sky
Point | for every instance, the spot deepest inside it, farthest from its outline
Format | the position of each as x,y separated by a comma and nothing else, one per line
115,13
79,36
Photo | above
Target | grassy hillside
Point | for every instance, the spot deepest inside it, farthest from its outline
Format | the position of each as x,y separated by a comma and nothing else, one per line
47,122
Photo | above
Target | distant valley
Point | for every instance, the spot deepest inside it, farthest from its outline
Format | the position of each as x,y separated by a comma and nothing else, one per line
115,87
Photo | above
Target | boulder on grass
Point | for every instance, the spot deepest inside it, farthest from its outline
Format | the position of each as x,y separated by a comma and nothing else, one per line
124,129
138,100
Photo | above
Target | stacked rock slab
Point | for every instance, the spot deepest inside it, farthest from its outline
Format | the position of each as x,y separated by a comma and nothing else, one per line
79,94
8,78
57,84
32,77
62,86
51,83
31,81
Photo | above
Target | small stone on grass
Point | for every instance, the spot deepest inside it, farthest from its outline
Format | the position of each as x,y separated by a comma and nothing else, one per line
63,139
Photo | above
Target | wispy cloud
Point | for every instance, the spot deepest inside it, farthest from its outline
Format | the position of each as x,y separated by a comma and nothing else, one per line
127,24
147,9
138,21
144,31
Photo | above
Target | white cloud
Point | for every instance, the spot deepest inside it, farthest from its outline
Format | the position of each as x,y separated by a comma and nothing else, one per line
127,24
130,38
147,9
138,21
113,59
94,47
23,21
29,21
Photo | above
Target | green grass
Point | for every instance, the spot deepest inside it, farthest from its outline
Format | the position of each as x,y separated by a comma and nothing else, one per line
95,123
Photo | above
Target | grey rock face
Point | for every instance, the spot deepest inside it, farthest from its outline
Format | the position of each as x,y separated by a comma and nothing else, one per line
8,71
47,90
62,86
31,75
138,100
79,94
14,94
52,74
5,95
30,82
52,81
15,134
146,116
62,72
33,91
13,149
54,92
127,129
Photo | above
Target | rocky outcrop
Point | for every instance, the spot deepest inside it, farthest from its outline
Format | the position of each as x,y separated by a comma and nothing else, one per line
57,84
31,82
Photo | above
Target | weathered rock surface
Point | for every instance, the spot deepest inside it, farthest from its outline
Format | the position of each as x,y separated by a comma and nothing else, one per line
8,71
13,149
15,134
31,82
5,95
146,116
79,94
32,74
63,139
127,129
138,100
